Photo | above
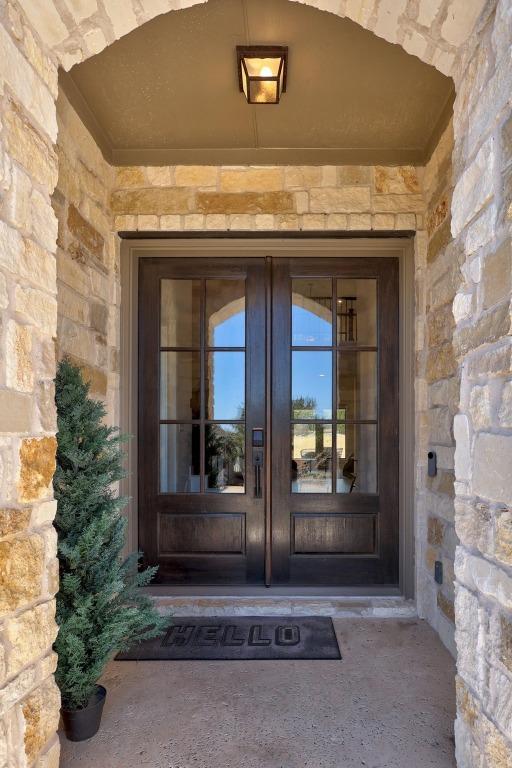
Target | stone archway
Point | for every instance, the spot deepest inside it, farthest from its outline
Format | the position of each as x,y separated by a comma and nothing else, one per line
35,38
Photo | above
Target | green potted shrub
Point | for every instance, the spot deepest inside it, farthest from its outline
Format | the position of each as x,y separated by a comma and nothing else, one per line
100,609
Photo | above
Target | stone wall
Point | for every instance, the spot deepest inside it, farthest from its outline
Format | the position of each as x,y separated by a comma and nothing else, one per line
87,259
437,391
29,699
482,227
310,198
435,30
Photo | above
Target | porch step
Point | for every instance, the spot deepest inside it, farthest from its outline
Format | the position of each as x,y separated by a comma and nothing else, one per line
279,605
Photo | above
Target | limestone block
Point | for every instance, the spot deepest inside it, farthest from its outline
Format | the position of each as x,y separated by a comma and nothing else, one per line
72,273
353,175
313,221
38,266
94,40
19,373
383,221
148,223
446,606
197,176
388,13
441,238
130,176
481,231
15,412
264,222
396,180
41,714
360,221
491,362
18,208
21,571
441,363
14,521
218,221
244,202
435,531
29,636
302,177
460,20
492,478
474,525
171,223
469,636
440,425
81,9
440,325
475,187
290,222
505,411
438,214
461,431
194,221
496,275
44,221
26,145
248,180
37,466
427,11
503,536
158,201
341,200
23,80
338,221
121,15
490,327
462,306
96,378
85,233
45,406
302,202
480,407
125,223
37,308
405,221
17,688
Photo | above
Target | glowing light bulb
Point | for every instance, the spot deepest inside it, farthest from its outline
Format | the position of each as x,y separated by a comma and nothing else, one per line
265,72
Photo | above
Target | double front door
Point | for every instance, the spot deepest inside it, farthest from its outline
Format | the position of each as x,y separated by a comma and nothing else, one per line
268,420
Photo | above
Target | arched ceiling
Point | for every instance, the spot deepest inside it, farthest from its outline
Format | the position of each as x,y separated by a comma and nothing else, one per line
168,92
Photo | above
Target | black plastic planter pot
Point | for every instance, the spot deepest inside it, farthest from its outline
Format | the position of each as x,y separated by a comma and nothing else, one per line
82,724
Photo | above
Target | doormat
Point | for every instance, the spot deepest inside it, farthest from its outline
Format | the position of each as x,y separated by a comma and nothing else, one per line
242,638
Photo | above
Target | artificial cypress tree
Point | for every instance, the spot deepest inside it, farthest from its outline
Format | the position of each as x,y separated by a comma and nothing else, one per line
100,609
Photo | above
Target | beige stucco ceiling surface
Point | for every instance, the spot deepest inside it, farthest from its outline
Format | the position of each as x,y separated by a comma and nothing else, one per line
168,91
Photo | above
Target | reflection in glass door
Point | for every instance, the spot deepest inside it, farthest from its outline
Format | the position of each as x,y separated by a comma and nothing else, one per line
335,360
201,392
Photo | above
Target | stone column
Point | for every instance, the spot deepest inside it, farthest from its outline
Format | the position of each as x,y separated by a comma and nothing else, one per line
481,225
29,698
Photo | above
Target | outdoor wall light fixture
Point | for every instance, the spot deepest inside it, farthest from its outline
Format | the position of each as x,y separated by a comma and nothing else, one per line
262,72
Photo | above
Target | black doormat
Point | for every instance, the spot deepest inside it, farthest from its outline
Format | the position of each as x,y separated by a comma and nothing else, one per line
240,638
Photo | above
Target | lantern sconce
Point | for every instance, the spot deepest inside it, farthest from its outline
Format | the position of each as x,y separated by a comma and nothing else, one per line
262,72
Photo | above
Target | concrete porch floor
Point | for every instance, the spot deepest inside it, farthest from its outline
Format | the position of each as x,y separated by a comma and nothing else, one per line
389,703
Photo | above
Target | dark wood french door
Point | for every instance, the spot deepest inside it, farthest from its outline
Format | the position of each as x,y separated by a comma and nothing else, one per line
268,420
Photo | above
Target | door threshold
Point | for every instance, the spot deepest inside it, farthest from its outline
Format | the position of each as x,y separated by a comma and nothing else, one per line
255,601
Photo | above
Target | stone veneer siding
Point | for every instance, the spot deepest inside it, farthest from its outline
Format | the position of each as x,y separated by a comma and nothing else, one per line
441,32
88,291
482,228
437,394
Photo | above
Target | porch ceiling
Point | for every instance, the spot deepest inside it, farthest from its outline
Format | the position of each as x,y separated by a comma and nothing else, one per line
168,92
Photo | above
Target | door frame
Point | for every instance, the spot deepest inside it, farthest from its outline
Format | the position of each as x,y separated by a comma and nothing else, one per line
307,246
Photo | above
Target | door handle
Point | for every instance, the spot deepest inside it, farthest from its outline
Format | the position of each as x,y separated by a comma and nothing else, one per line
257,460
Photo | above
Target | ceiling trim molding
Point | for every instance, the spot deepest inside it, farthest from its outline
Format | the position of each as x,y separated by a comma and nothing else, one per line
269,156
86,115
